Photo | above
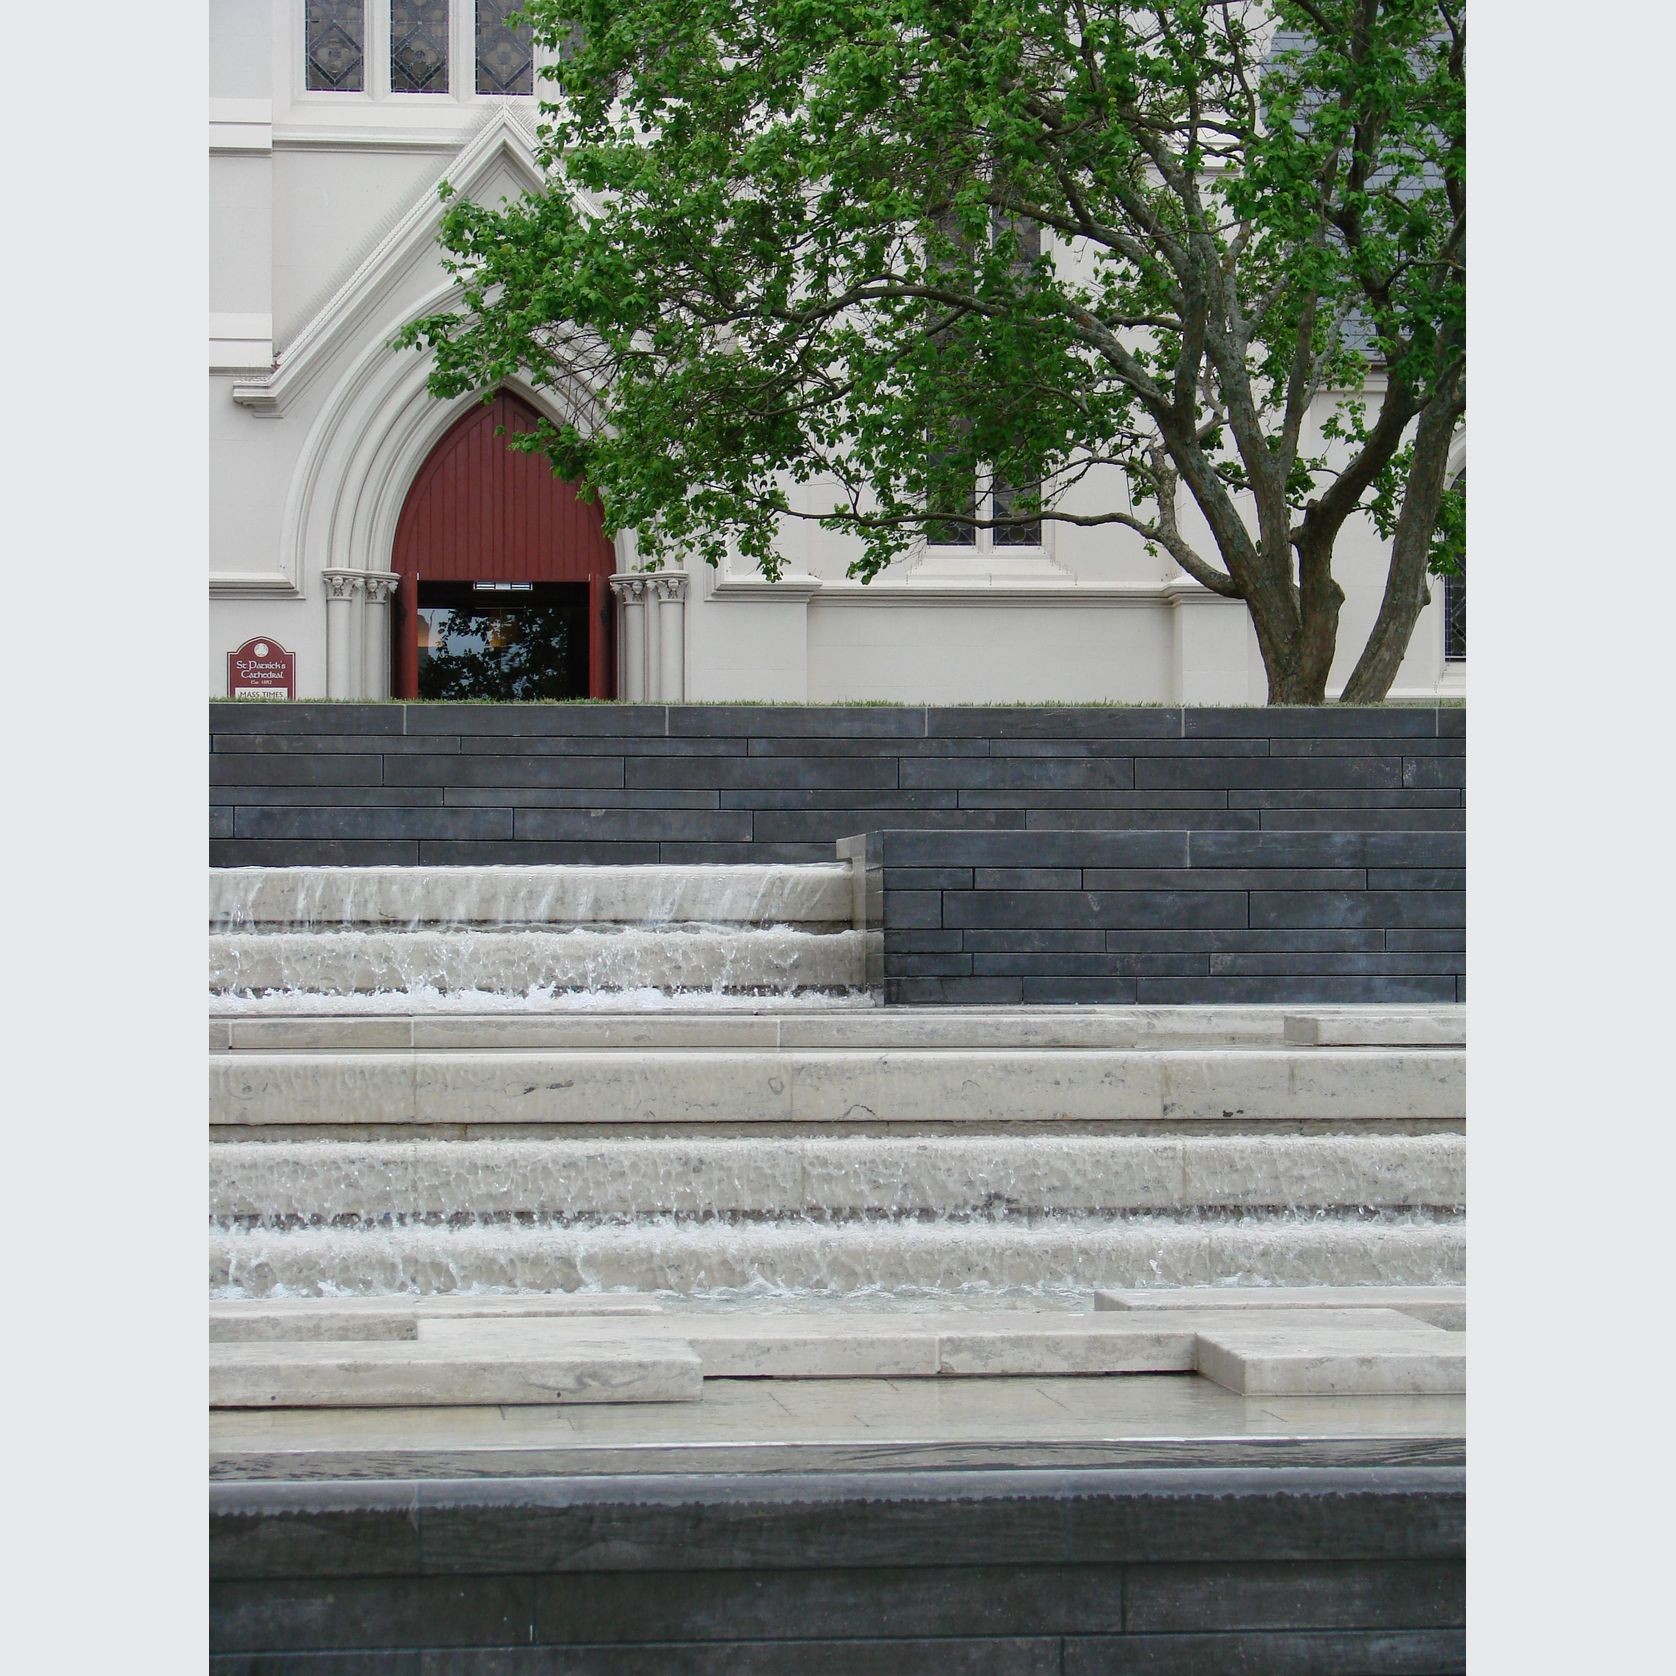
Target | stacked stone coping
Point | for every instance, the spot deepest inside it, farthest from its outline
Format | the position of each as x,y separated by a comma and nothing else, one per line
1162,918
316,784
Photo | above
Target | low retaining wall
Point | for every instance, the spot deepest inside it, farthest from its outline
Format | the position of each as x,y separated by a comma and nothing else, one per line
1178,1573
1165,917
402,784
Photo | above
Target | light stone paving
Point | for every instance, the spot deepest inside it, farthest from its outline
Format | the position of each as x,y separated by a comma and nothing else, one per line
1439,1306
895,1027
455,1358
837,1087
596,1366
755,1425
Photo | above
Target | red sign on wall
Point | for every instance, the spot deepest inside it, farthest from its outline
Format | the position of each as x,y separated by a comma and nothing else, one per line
261,668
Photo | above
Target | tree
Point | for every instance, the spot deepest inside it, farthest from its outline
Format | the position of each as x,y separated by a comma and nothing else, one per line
1204,256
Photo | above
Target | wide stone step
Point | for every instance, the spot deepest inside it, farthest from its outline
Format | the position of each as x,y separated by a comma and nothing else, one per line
522,962
819,894
843,1176
661,1358
542,1368
836,1087
894,1027
1060,1254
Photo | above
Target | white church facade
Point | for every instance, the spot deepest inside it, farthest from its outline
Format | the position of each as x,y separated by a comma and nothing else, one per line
356,521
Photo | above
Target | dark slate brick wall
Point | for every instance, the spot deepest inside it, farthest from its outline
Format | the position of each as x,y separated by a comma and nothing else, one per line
1189,916
403,784
1188,1571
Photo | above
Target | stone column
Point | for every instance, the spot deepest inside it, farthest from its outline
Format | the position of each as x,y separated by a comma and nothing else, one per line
671,589
375,626
341,589
630,589
654,624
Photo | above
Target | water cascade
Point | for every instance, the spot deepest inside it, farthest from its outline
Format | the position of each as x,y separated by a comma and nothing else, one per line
671,1079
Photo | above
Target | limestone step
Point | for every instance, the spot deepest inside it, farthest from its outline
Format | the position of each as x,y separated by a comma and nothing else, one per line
836,1087
1439,1306
846,1176
663,1357
894,1027
819,894
236,1321
594,1368
519,962
722,1259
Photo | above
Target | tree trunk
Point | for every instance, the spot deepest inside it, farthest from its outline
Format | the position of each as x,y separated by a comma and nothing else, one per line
1405,584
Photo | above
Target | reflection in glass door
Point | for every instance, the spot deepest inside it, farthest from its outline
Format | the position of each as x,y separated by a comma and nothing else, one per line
502,640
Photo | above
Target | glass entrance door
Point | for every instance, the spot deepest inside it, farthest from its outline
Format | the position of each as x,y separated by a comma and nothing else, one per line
502,640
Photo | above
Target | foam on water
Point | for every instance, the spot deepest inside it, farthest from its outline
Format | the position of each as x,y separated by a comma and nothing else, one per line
425,998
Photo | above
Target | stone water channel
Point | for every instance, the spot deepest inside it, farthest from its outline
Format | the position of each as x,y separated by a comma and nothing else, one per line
674,1080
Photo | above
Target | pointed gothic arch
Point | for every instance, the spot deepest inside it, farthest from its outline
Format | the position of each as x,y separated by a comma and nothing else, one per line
481,512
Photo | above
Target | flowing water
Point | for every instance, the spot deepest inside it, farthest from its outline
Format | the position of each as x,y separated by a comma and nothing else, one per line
909,1218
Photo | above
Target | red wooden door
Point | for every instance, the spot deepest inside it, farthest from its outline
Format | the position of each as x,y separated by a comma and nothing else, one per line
481,512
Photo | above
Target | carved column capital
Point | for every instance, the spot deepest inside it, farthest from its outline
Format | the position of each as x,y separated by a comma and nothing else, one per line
341,584
380,585
630,586
670,584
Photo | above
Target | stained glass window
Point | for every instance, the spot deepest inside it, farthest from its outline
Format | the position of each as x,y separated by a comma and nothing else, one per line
336,34
419,46
505,52
1016,535
1455,616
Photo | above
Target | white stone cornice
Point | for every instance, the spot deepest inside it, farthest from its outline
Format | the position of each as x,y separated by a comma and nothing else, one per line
355,303
253,584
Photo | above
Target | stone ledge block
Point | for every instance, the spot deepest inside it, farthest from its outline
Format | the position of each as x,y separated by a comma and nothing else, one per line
815,721
444,852
330,744
1107,910
335,799
1276,721
1022,773
1425,1652
314,852
1384,908
1353,773
907,910
1258,1361
1225,878
999,722
297,1615
508,769
1346,1594
318,823
239,768
1434,771
634,825
1023,878
582,720
1389,821
927,878
1113,821
1293,991
462,720
243,716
